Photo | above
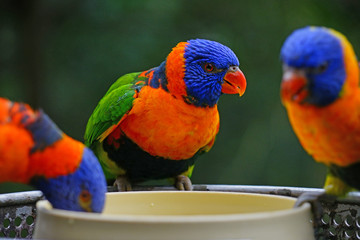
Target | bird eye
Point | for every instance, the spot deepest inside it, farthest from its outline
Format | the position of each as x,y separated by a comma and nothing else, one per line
321,68
85,200
85,196
208,67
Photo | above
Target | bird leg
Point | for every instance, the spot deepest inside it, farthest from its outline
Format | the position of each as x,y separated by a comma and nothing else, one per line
122,184
335,186
183,183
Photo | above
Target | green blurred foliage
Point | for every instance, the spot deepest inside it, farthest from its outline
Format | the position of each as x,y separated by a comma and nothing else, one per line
62,56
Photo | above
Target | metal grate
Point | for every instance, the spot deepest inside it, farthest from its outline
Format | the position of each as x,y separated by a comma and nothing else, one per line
18,213
340,219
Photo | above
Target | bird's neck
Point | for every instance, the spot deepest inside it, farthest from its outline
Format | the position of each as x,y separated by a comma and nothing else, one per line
351,83
175,70
170,74
44,132
62,158
54,153
157,77
160,77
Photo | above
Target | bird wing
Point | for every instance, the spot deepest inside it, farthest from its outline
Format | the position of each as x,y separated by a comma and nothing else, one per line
111,109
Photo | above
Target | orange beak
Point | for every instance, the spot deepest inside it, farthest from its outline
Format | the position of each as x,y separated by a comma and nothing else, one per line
294,86
234,81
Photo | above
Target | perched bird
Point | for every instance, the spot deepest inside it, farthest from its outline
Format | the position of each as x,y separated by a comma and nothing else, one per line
33,150
320,91
153,124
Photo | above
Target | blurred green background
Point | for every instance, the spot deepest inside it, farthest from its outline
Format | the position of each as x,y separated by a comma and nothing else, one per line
62,56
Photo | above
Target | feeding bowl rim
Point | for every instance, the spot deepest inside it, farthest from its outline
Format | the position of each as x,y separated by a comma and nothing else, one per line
45,207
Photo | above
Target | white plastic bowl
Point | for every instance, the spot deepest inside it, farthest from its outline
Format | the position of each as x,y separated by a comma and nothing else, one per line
168,215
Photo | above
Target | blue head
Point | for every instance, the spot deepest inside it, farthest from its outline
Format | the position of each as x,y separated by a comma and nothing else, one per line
314,68
206,65
83,190
200,71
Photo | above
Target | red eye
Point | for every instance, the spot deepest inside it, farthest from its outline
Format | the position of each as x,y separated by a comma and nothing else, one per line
209,67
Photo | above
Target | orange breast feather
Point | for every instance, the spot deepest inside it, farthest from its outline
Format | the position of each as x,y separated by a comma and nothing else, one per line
330,134
15,144
4,110
166,126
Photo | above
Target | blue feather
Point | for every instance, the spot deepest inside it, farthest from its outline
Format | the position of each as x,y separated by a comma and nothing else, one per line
159,77
44,132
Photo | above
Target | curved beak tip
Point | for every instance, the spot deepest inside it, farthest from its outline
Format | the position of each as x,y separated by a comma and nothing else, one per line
234,83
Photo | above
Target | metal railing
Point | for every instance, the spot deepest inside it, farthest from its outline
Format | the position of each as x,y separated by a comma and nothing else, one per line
340,219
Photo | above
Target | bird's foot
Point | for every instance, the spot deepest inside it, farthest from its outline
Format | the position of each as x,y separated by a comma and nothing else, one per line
122,184
183,183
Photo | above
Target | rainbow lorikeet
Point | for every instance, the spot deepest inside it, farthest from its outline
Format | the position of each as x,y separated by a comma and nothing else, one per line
320,91
33,150
152,124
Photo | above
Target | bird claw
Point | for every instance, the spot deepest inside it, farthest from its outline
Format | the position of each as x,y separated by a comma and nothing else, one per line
122,184
183,183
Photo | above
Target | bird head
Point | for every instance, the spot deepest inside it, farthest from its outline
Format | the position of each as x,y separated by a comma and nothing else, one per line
200,71
314,66
84,190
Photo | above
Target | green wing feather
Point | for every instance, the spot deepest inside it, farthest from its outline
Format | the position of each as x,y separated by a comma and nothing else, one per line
112,107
